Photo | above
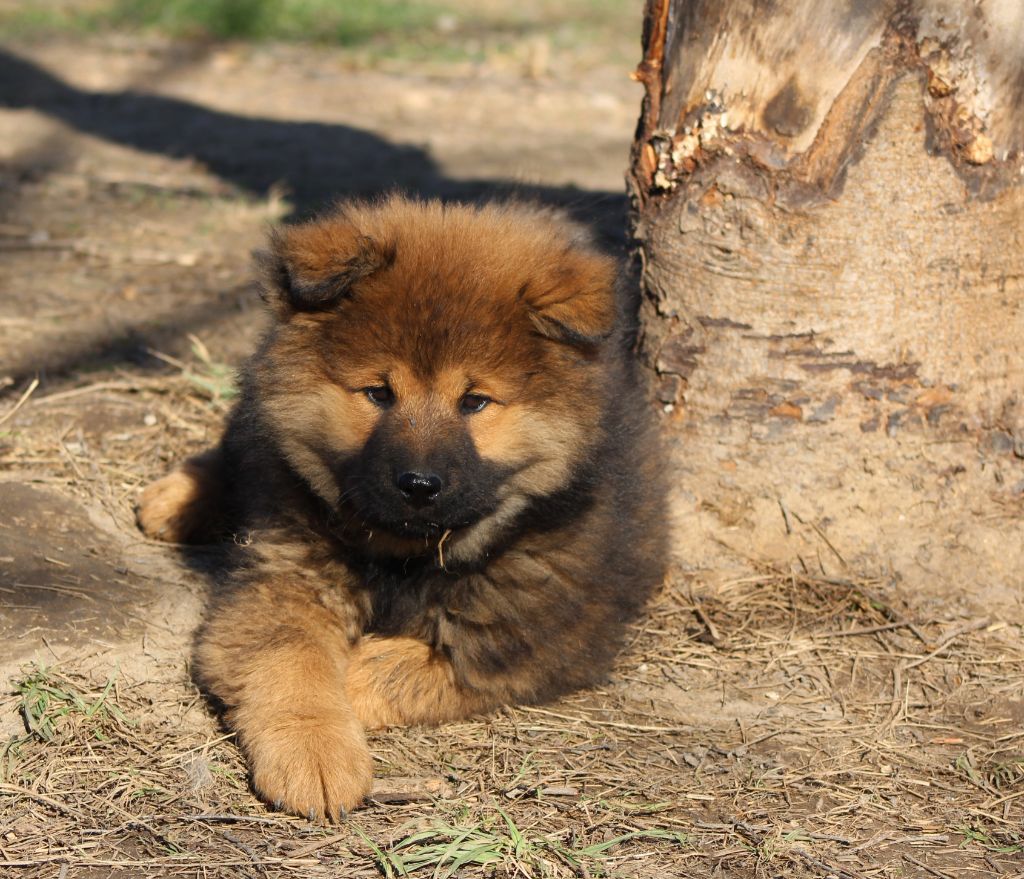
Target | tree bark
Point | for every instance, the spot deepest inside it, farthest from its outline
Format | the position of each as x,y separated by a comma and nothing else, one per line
828,206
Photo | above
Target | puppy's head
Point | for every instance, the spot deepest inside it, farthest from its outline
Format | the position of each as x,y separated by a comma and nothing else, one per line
434,368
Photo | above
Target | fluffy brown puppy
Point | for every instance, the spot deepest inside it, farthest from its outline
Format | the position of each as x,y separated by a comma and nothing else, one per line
440,479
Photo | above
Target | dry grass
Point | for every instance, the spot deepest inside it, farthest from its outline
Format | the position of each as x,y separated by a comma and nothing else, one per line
767,725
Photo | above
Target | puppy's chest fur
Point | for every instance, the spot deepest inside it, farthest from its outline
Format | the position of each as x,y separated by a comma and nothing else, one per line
438,602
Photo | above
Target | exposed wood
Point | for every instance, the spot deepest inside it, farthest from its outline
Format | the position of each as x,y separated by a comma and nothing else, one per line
774,82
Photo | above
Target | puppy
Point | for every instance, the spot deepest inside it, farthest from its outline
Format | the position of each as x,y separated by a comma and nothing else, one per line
441,483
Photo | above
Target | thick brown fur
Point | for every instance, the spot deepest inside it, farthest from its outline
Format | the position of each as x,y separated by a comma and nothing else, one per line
349,606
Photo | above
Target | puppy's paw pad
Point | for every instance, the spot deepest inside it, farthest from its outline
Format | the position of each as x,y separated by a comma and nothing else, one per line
168,509
317,769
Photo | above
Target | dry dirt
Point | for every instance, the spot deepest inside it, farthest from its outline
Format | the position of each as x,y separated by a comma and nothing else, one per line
805,718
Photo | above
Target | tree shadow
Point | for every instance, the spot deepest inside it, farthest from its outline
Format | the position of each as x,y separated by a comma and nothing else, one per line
314,163
312,160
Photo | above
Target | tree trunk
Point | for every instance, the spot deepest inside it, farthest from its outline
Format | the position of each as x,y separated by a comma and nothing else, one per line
828,204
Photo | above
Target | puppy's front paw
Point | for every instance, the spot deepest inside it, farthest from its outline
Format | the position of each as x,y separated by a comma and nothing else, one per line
177,508
316,766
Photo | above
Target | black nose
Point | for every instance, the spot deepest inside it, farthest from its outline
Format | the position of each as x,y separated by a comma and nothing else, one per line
419,488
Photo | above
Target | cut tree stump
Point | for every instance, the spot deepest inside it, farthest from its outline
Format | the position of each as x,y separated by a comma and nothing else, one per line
828,207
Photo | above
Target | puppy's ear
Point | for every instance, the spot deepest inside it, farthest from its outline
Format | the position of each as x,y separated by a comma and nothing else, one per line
575,301
312,266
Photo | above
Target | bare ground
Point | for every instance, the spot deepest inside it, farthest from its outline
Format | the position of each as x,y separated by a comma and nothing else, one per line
809,717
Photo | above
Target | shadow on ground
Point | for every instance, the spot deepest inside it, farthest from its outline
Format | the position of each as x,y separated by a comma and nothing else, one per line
314,163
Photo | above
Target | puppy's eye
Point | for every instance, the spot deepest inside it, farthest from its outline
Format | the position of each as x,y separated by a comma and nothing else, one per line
471,403
381,395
